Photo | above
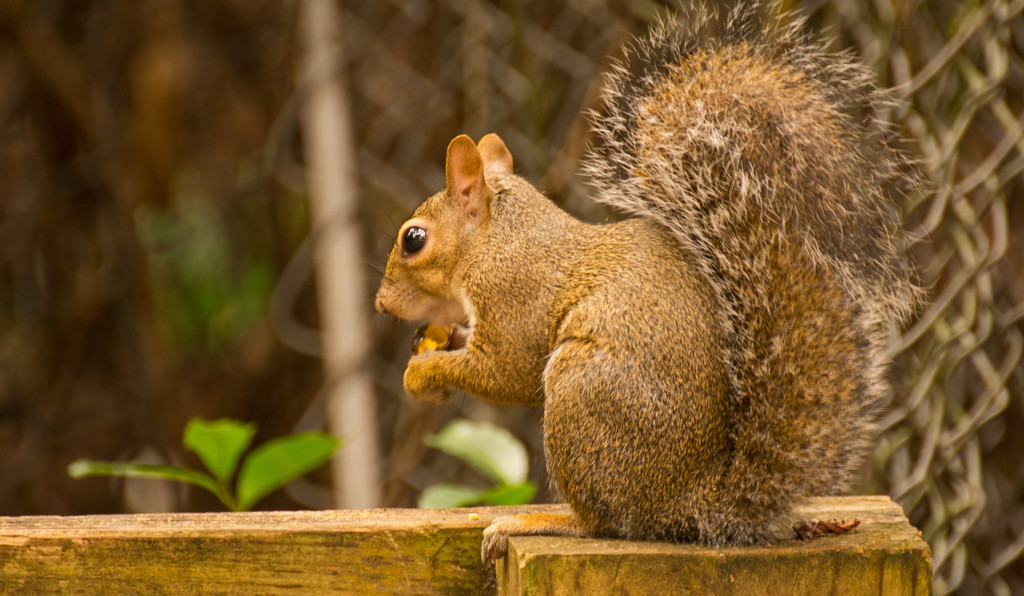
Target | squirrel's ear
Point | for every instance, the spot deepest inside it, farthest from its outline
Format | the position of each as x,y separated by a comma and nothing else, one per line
464,175
496,156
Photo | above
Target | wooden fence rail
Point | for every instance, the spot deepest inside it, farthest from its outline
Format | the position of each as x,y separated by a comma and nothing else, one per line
409,551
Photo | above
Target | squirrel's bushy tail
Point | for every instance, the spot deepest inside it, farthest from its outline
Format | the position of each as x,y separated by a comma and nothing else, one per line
761,151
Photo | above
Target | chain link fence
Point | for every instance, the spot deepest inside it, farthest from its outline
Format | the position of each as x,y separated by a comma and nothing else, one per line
421,72
950,452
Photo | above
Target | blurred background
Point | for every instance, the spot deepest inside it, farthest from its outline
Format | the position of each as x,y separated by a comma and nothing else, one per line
159,225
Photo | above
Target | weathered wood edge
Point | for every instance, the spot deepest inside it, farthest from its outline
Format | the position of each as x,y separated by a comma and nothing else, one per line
157,524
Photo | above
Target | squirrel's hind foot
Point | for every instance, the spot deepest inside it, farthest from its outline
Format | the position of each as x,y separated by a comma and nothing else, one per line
495,542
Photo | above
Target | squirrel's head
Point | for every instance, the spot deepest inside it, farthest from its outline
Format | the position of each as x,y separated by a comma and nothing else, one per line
418,280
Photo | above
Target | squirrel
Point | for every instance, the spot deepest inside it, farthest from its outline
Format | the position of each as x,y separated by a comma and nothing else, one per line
719,355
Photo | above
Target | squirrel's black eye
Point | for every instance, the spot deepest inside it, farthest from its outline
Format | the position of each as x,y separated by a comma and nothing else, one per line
413,240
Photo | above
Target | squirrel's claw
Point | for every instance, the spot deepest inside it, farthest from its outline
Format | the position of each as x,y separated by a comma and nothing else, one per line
495,543
496,535
434,396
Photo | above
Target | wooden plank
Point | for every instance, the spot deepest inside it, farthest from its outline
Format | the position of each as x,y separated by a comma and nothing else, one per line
405,551
410,551
883,555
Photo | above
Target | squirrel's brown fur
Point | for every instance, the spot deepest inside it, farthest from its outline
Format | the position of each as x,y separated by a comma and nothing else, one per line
712,361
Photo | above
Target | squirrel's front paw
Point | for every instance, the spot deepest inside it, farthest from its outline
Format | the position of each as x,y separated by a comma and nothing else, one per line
418,387
495,542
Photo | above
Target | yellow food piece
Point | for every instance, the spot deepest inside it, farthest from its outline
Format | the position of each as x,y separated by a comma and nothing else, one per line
431,337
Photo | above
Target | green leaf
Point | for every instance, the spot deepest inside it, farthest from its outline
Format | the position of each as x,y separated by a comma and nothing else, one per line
82,468
445,496
488,448
519,494
219,444
278,462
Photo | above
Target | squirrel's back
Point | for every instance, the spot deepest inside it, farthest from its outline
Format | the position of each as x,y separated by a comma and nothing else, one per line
762,153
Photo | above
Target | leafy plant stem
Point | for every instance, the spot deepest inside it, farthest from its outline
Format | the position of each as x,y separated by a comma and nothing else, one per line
83,467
